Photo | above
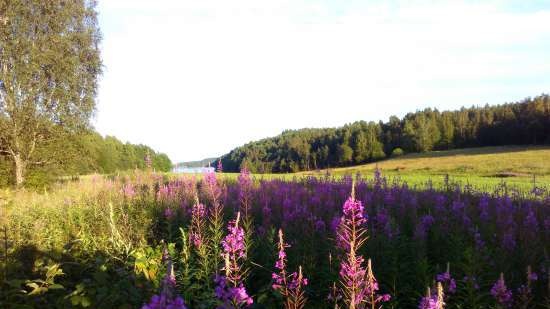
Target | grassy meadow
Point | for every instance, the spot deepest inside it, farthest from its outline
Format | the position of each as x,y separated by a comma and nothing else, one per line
124,240
484,168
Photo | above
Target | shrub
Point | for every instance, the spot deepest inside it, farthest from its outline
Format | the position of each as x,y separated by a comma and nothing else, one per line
397,152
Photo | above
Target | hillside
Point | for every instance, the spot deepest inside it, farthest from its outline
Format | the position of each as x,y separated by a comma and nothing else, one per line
481,167
526,122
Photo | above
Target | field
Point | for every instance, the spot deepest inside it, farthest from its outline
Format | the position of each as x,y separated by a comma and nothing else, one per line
484,168
128,240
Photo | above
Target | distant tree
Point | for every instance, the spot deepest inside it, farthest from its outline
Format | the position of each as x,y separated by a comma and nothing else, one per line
375,146
49,65
345,154
361,147
421,132
447,131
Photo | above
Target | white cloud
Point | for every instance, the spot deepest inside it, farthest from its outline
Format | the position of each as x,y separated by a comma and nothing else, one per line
197,78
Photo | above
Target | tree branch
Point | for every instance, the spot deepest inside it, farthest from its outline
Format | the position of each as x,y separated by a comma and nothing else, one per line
43,162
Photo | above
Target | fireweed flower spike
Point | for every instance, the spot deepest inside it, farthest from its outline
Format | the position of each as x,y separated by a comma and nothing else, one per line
198,238
372,288
214,193
245,200
230,289
447,281
433,301
357,288
198,222
245,191
525,293
167,298
501,293
289,286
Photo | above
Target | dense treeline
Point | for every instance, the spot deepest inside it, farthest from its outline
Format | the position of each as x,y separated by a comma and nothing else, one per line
519,123
84,154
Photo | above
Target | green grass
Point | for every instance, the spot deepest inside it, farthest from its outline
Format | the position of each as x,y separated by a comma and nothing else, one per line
483,168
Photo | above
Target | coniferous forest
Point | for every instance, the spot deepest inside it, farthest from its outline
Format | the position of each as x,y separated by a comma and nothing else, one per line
521,123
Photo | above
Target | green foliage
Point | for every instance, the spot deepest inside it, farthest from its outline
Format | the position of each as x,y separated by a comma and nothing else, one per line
39,286
49,65
397,152
85,153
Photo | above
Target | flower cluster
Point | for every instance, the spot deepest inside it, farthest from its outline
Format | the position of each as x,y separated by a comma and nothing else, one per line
448,282
230,289
161,302
431,300
501,293
233,244
350,226
128,190
231,296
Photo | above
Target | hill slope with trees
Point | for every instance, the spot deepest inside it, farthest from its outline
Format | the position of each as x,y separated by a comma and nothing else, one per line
86,153
520,123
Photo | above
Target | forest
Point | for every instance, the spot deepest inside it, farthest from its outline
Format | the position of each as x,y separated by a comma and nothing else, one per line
519,123
86,153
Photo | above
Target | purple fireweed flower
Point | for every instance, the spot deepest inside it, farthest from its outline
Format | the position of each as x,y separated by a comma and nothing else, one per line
289,286
128,190
537,191
353,218
168,213
434,301
335,223
448,282
212,188
381,218
531,221
245,191
509,239
198,221
162,302
480,244
501,293
458,207
484,208
230,289
423,226
231,297
233,243
163,193
167,299
320,225
524,291
358,283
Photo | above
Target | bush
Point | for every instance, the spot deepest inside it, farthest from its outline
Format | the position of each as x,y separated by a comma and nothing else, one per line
397,152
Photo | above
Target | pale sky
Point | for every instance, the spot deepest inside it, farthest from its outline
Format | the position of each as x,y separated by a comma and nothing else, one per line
197,78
